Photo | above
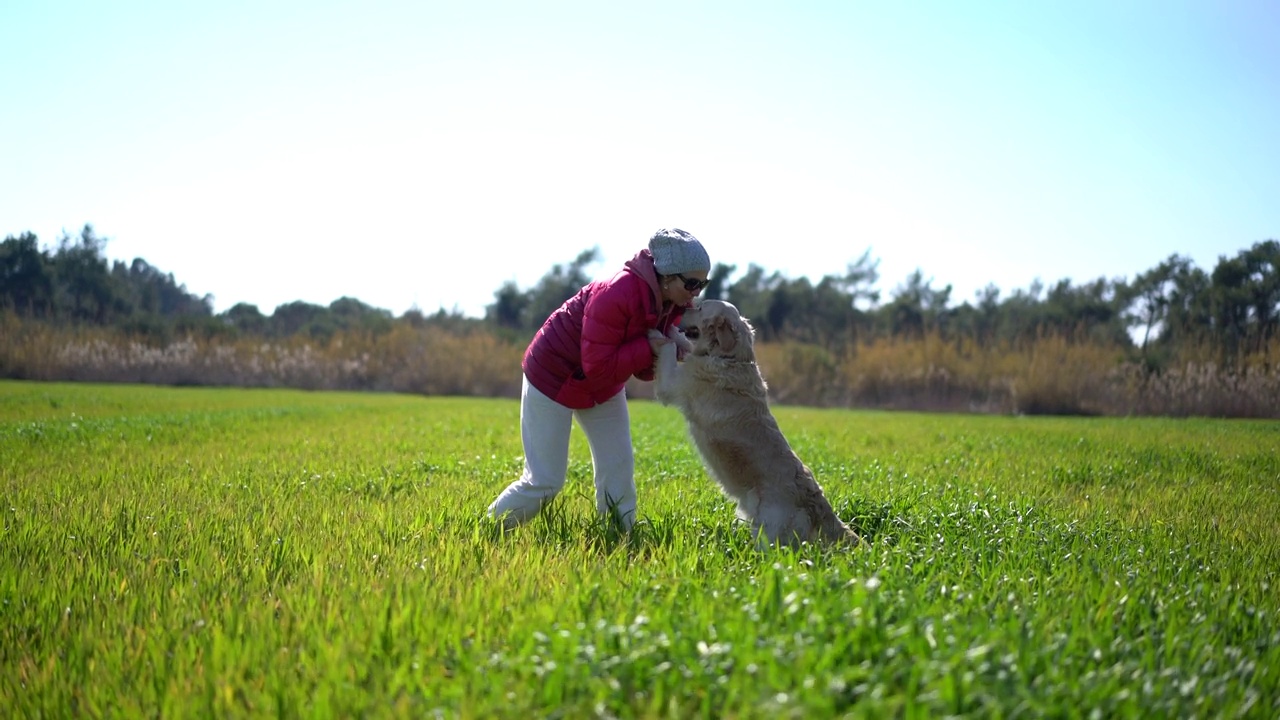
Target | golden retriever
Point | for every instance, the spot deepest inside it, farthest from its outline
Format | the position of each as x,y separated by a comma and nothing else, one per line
724,400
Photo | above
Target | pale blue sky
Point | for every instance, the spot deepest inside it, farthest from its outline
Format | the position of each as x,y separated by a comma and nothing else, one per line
425,152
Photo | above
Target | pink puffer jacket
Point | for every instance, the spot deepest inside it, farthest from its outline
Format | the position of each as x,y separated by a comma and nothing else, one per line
585,352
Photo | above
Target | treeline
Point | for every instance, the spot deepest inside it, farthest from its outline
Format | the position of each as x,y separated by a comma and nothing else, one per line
839,340
73,283
1164,313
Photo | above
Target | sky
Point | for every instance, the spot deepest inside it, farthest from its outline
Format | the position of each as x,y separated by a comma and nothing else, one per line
421,154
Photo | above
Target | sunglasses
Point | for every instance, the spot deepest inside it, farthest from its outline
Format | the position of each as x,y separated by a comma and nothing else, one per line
693,284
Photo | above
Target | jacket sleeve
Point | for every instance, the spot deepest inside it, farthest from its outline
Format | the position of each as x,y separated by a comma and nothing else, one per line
609,355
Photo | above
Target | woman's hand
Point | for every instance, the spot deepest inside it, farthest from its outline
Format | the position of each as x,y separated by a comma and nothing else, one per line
683,345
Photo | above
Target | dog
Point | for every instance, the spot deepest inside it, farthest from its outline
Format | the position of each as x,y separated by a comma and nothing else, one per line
724,399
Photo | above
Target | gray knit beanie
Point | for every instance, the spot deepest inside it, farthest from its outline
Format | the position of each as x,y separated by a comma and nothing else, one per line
676,251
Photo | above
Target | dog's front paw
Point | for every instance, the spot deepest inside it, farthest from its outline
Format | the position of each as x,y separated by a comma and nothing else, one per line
683,345
657,340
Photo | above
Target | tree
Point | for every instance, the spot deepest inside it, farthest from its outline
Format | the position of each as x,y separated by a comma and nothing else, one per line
527,310
300,317
1189,318
1244,298
558,285
786,300
26,280
716,281
752,294
81,273
917,306
1149,297
1262,285
348,313
1089,311
246,318
148,290
859,280
509,307
834,318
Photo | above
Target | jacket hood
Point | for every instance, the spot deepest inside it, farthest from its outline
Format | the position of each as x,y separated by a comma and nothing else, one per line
642,266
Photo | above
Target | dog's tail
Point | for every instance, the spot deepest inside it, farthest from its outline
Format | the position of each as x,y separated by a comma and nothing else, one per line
837,532
825,523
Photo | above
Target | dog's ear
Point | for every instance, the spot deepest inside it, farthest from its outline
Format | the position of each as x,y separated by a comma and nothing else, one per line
722,331
748,332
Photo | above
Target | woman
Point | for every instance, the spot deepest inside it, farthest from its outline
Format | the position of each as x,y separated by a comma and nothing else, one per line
578,364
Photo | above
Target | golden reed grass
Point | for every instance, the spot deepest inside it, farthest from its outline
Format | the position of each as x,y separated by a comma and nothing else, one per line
1050,375
424,360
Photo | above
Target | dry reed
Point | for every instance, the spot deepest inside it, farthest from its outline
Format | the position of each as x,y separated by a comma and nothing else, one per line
1050,375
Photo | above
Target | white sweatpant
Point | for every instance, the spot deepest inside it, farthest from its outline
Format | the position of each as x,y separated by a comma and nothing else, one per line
544,430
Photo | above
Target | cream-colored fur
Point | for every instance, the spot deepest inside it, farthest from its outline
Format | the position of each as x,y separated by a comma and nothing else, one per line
723,397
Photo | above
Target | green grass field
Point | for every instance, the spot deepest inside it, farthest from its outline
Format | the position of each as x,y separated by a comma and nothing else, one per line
229,553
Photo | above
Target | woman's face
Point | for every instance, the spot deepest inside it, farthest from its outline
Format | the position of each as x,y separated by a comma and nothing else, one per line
682,288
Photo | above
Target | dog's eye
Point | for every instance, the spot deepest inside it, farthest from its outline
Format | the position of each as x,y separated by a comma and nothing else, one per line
692,333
